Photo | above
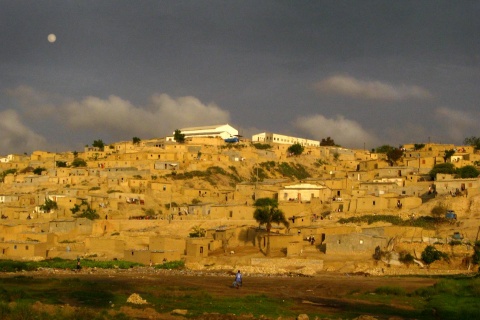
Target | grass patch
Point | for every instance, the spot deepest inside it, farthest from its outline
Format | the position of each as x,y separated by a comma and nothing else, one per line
170,265
422,222
57,263
388,290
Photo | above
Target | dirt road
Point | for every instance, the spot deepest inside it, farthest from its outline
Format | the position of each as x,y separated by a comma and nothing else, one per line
322,294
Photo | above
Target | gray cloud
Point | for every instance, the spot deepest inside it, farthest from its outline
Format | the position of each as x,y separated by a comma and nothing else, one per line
345,132
456,123
163,115
257,60
371,90
15,137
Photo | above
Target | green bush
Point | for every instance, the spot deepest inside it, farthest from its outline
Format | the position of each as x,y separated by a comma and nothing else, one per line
431,254
170,265
389,290
439,211
406,258
262,146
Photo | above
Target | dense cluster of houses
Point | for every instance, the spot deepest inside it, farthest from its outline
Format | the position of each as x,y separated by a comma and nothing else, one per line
146,213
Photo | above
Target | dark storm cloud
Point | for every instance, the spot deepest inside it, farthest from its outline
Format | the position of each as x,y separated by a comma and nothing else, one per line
259,62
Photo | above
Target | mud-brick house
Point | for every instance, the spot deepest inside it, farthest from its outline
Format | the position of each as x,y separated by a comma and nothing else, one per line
422,164
8,232
388,172
230,236
72,227
303,192
197,247
167,165
353,243
160,249
111,248
29,236
278,241
447,184
8,198
25,250
160,243
231,212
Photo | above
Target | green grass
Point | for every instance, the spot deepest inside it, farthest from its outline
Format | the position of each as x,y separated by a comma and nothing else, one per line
450,298
57,263
421,222
169,265
100,295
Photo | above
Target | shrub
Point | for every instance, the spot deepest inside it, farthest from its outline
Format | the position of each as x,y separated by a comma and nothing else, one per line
197,232
389,290
406,258
439,211
262,146
431,254
177,264
476,253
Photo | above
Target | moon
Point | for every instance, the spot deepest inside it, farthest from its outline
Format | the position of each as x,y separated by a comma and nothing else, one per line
52,38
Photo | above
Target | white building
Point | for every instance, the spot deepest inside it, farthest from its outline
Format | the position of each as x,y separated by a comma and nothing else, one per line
301,192
269,137
223,131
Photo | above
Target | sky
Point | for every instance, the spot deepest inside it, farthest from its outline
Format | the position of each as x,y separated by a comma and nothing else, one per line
365,73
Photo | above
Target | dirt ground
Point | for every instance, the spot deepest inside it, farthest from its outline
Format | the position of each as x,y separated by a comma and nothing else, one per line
321,294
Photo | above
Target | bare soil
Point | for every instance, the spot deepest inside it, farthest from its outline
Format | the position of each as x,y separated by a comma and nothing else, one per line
322,294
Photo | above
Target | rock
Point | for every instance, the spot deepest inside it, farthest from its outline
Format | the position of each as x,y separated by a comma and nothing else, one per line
136,299
365,317
302,316
181,312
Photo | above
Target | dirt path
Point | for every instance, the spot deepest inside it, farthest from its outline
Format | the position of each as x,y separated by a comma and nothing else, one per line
325,293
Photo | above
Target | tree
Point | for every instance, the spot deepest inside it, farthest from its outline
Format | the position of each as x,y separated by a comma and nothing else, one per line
79,162
136,140
267,212
476,253
296,149
327,142
38,170
197,232
49,205
447,168
384,149
468,172
84,211
473,141
406,258
448,154
394,155
98,144
179,136
418,146
60,164
7,172
75,154
431,254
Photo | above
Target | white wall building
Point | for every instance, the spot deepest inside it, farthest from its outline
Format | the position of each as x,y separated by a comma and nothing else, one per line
269,137
301,192
224,131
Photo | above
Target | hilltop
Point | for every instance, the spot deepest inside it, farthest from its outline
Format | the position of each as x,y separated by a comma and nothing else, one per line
156,200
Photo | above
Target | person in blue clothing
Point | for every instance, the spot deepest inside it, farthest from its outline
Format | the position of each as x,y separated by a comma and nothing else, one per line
238,280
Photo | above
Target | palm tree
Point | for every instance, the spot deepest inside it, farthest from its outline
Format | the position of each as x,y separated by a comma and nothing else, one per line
266,213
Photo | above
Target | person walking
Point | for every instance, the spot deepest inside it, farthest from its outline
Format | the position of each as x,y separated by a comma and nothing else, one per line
238,280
